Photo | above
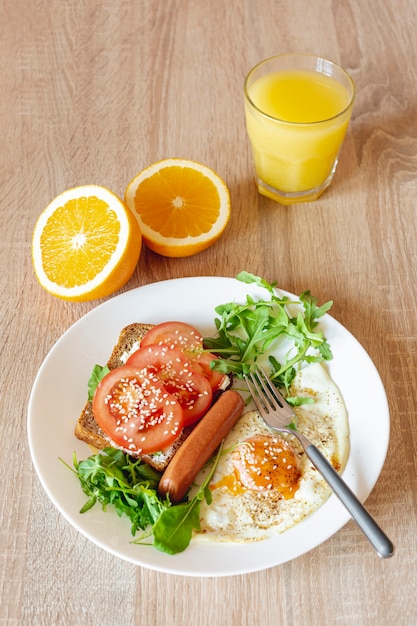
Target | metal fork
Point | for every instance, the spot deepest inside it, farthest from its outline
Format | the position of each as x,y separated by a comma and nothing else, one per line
278,414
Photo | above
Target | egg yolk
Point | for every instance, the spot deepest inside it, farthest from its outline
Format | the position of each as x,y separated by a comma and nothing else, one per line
263,463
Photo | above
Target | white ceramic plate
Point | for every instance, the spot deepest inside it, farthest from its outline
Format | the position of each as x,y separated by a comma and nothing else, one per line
59,394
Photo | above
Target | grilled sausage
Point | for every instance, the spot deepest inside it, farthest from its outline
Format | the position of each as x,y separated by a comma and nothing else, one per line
200,445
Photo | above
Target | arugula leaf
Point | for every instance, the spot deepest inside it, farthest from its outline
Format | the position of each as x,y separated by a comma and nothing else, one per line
246,332
173,531
112,477
312,312
246,277
129,485
98,373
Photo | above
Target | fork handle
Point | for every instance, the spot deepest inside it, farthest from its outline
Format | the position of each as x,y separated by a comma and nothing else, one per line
365,521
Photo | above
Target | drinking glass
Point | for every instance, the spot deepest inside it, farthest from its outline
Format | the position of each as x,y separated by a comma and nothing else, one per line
297,108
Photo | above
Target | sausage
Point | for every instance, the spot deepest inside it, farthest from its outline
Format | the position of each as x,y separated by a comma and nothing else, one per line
200,445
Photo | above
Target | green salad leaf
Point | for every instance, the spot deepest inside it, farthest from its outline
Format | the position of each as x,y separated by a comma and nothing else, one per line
258,327
114,478
98,373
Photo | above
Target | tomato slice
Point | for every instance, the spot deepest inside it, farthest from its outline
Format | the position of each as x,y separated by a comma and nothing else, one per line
136,411
188,339
178,334
186,383
202,361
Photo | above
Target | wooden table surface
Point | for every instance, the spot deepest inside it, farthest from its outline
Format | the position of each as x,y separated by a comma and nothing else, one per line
93,92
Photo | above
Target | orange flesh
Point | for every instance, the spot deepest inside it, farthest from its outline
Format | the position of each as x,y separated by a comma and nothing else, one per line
178,202
85,234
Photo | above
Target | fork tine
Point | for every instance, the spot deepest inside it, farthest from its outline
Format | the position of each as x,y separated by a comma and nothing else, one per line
267,399
273,393
274,397
278,401
254,391
261,390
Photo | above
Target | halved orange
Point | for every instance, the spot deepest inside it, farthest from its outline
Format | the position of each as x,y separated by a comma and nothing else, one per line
86,244
182,207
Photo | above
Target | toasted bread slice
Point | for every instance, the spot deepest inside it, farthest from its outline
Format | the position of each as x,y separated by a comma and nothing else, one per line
89,431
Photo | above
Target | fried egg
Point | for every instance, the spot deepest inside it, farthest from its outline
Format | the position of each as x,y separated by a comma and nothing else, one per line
264,483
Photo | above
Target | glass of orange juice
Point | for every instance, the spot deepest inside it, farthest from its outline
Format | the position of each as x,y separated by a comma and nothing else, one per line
298,108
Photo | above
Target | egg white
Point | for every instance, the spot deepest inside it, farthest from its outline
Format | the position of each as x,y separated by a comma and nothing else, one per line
252,515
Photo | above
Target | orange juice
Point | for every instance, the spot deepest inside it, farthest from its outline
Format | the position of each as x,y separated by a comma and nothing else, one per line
296,121
299,96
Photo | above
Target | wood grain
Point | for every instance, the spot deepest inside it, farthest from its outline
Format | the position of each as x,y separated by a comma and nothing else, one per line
92,92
